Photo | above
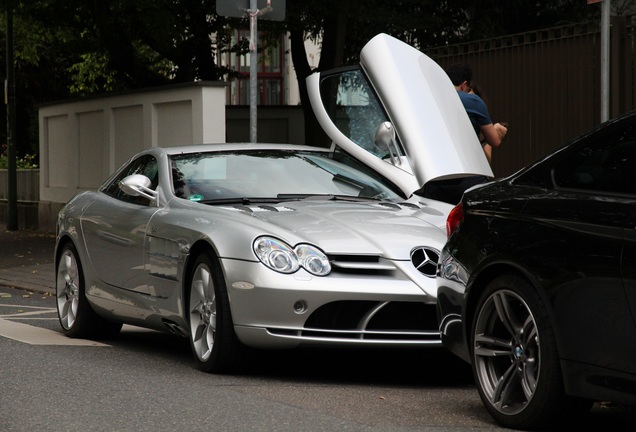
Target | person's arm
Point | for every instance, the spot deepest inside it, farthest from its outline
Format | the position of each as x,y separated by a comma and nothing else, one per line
494,133
488,152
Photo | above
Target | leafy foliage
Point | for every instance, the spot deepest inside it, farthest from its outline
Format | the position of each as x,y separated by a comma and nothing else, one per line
69,48
27,162
343,27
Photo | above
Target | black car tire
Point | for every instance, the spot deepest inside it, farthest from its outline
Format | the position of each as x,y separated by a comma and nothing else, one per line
515,358
214,343
77,317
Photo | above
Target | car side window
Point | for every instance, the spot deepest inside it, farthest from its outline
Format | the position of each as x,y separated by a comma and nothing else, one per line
604,163
146,165
354,108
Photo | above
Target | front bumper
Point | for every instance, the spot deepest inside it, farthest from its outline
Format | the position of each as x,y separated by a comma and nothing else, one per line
451,302
273,310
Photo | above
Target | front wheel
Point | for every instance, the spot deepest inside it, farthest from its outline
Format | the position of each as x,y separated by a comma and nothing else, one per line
75,314
214,343
515,358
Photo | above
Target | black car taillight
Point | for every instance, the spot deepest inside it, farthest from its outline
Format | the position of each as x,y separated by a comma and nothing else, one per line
455,218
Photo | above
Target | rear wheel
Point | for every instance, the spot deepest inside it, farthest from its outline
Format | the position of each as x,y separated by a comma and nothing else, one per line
76,316
515,358
214,343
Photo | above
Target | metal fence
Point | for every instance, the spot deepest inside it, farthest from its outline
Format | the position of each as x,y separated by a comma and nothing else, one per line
28,191
546,84
28,184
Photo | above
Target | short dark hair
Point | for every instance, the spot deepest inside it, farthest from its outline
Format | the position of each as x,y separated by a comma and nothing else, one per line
459,72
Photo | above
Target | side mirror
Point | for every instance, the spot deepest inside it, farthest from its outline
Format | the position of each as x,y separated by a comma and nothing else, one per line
137,185
385,142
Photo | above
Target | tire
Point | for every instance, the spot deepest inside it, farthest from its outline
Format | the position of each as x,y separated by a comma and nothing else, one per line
515,358
77,318
214,343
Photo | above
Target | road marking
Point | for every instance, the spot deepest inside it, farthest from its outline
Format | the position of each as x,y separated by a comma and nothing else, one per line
26,314
48,309
38,336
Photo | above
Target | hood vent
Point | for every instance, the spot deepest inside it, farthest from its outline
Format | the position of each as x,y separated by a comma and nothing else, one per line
400,206
260,208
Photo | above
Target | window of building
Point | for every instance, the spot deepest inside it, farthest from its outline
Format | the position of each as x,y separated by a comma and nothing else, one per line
269,70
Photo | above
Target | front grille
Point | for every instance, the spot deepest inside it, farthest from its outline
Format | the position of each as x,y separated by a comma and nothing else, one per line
361,264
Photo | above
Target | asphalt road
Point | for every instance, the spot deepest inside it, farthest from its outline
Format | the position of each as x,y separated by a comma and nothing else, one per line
23,248
144,381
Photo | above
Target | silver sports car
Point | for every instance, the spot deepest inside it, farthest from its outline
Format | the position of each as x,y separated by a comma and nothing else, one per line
261,245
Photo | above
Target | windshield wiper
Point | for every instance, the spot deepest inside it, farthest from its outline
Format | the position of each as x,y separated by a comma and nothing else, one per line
286,197
239,200
326,197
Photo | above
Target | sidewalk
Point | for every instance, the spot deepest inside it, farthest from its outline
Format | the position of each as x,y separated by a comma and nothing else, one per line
26,260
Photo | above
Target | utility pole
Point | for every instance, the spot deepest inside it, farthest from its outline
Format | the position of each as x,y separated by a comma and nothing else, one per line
238,9
605,60
253,13
9,99
605,56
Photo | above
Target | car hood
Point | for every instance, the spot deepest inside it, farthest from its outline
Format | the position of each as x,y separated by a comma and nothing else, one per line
387,229
423,106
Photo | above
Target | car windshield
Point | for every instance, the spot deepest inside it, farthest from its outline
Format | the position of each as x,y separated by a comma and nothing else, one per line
274,175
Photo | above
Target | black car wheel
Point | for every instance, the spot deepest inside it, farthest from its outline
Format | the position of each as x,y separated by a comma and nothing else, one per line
76,316
515,358
214,343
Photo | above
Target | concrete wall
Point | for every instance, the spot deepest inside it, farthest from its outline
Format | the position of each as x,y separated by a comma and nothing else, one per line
275,124
113,128
83,141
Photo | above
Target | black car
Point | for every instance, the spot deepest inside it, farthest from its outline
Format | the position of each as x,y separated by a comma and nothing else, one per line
537,282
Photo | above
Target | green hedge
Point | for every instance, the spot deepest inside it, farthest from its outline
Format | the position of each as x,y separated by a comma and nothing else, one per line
27,162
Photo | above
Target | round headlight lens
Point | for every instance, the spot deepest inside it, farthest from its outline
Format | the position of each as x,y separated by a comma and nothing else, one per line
313,260
276,255
283,261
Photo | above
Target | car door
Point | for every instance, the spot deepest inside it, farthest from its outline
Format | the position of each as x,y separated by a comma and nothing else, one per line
628,262
114,228
397,90
624,156
585,218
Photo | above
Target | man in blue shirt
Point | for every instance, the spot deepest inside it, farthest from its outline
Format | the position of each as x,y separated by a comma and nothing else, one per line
490,135
476,109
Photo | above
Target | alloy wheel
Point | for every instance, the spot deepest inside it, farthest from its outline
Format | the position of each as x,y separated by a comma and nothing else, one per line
68,289
506,352
203,313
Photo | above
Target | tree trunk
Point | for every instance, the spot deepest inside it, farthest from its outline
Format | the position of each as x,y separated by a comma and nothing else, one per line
314,135
331,56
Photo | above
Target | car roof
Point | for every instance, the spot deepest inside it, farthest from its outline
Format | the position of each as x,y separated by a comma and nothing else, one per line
223,147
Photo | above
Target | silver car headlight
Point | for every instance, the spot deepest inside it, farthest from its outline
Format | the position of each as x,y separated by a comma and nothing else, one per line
281,257
313,259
